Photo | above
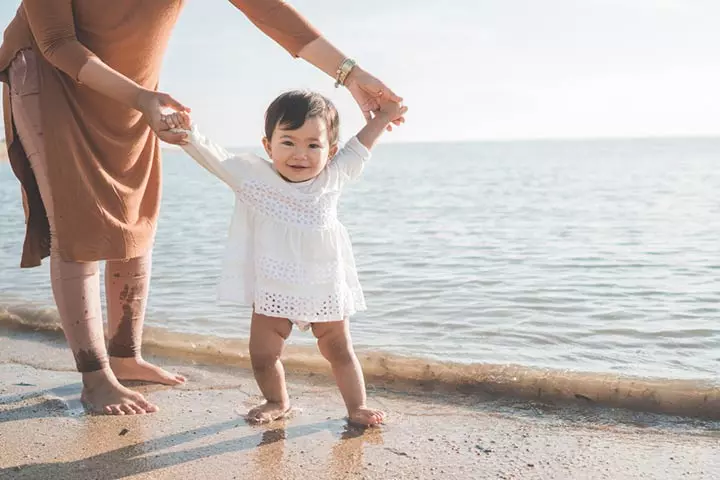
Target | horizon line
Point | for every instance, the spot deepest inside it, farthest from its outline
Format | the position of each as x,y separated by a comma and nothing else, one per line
600,138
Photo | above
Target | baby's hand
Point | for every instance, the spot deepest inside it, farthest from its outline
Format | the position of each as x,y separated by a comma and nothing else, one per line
177,120
393,111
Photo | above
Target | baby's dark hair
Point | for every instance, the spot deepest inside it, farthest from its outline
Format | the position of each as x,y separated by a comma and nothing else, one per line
291,109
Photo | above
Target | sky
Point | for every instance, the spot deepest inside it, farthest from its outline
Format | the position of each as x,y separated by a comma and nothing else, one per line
468,70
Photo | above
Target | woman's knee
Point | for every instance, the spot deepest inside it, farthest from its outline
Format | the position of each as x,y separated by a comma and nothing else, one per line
137,268
63,271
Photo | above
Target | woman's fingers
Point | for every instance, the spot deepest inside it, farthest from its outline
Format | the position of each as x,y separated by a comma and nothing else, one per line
175,138
176,120
167,101
388,94
152,104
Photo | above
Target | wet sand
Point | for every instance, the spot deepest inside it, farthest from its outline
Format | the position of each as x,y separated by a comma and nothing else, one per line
200,433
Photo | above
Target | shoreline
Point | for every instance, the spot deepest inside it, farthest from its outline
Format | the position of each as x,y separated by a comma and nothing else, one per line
200,433
491,382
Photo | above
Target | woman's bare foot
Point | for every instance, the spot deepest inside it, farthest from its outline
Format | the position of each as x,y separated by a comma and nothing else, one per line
368,417
138,369
102,393
267,412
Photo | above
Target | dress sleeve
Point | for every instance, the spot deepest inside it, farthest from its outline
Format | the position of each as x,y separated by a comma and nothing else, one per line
53,27
350,160
211,156
279,21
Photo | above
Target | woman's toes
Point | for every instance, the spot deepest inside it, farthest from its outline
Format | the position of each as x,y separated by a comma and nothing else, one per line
145,405
116,410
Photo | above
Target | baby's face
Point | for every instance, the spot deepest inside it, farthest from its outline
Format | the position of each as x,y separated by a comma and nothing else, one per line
299,155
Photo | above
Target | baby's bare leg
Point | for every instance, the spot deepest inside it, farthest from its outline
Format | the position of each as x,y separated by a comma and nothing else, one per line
267,340
336,346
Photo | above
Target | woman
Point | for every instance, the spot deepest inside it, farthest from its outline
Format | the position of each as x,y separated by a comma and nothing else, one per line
82,119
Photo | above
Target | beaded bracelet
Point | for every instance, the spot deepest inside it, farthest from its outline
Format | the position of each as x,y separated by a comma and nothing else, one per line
343,71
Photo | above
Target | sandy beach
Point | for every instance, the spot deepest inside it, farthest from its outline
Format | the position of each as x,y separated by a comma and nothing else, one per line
200,432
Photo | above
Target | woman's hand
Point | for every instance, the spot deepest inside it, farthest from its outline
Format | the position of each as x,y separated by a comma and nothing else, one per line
178,120
152,104
367,90
370,93
393,111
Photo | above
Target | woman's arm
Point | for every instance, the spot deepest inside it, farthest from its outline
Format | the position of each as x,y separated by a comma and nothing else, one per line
53,27
368,91
102,78
281,22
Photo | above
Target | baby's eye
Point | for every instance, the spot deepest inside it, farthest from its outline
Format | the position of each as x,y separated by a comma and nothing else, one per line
315,145
287,143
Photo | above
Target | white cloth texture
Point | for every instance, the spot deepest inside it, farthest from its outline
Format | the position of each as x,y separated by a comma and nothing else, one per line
287,254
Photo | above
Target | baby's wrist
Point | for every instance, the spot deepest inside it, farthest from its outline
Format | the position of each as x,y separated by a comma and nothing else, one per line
383,117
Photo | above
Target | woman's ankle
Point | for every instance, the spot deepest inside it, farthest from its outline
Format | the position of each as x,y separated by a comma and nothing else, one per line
126,360
99,377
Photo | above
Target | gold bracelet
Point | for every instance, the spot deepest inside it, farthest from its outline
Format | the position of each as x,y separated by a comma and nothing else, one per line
343,71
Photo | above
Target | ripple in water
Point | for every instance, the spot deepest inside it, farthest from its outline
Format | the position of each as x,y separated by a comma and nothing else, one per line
593,256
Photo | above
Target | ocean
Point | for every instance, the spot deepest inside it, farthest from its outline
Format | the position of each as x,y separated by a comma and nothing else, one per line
598,256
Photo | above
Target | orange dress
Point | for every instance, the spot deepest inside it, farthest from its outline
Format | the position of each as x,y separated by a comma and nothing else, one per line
103,160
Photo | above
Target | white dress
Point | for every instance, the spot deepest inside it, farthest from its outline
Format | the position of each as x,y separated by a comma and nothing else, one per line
287,254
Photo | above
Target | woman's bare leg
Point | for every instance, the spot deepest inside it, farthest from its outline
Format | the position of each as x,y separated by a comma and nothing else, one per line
75,285
127,284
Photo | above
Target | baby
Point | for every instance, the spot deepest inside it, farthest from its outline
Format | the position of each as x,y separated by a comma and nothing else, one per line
288,256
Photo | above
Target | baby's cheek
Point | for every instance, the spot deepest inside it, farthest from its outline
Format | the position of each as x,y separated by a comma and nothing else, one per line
321,164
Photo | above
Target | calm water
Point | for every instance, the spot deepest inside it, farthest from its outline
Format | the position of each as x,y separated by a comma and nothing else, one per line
596,256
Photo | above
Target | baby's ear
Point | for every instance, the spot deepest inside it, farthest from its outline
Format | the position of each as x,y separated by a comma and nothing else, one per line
333,151
266,144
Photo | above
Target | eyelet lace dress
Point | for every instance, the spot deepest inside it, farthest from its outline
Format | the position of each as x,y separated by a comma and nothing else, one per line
287,254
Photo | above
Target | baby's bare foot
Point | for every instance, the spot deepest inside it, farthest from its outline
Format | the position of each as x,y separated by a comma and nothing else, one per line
267,412
366,416
139,369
